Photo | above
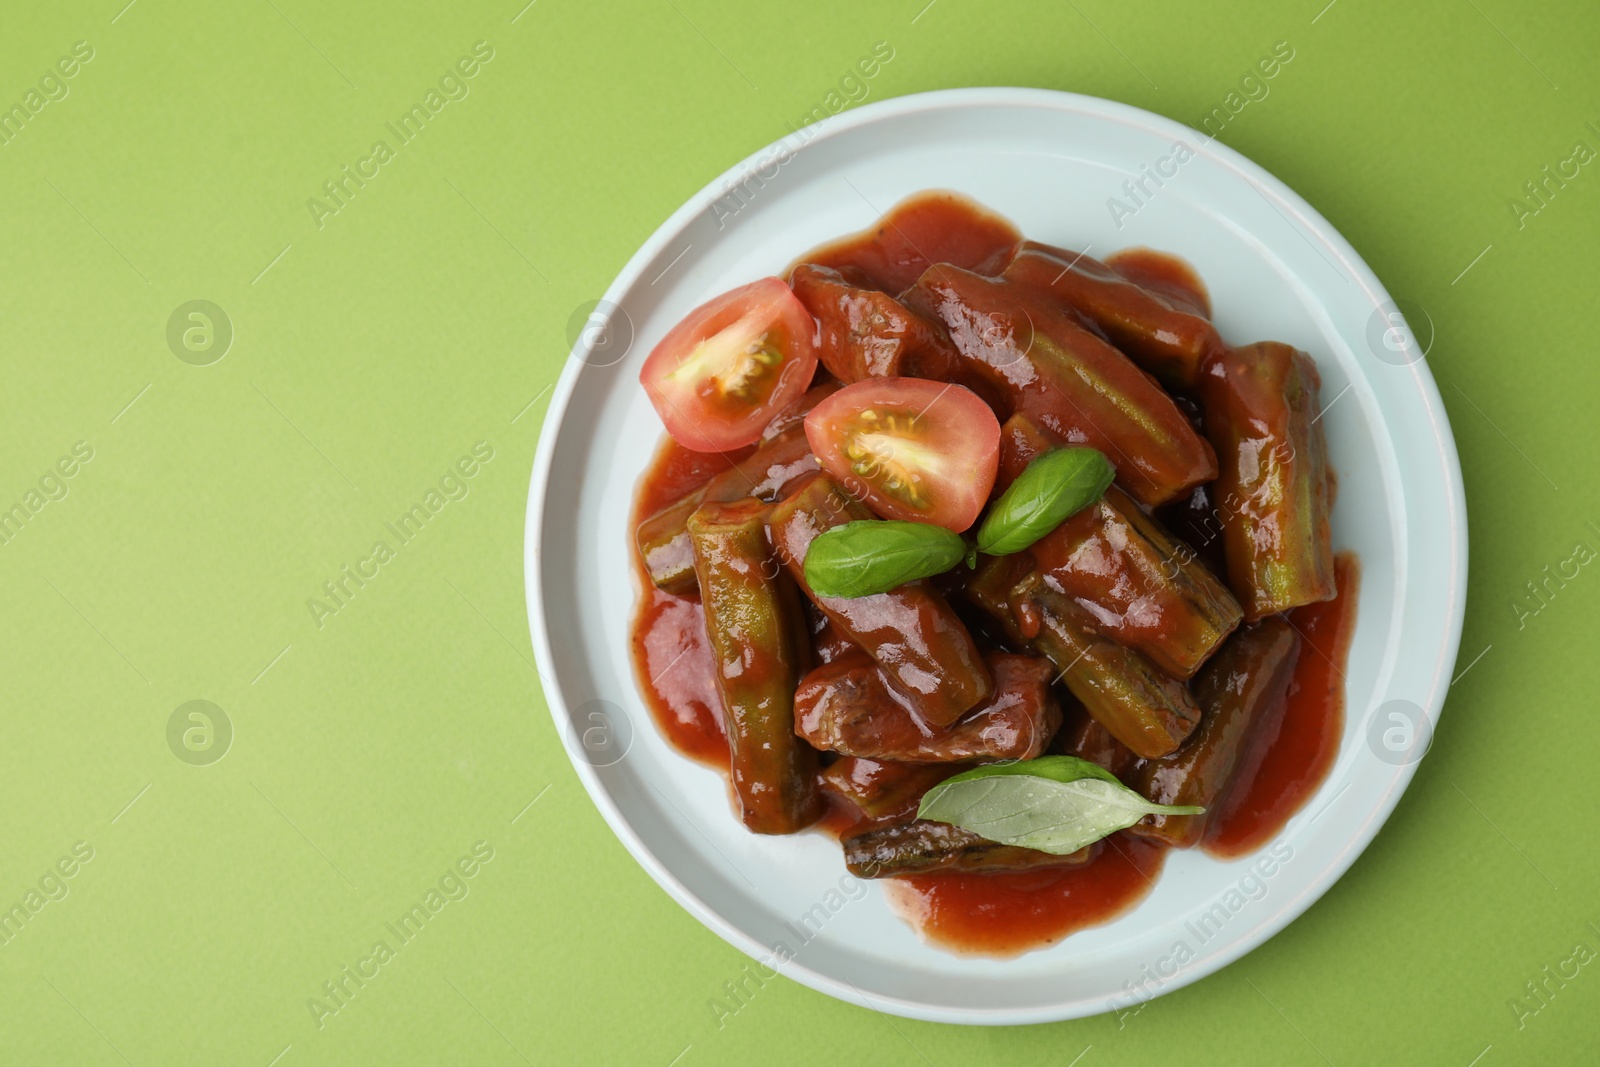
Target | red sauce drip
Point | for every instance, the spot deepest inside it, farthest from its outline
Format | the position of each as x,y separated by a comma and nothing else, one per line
839,816
671,654
1293,751
1005,915
673,473
1165,275
1009,914
921,230
677,675
1002,915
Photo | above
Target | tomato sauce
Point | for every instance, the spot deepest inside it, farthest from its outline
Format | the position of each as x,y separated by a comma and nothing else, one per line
1007,914
1012,913
671,653
921,230
1294,750
1167,276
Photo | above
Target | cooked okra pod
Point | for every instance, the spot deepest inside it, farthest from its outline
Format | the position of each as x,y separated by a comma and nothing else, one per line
1169,342
757,636
911,631
923,846
663,538
1144,708
1019,349
1273,496
1241,682
1143,587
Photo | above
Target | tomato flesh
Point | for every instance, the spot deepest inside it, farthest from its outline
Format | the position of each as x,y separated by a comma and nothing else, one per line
733,363
912,449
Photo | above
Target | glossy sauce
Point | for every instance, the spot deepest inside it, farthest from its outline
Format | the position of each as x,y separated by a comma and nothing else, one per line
1008,914
1028,353
1165,275
1294,751
865,794
1142,591
927,228
671,653
1012,913
1005,914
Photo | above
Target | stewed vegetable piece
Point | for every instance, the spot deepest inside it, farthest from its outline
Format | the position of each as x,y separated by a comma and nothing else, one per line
780,458
1274,495
849,706
911,632
983,566
1238,687
1030,356
864,332
1171,342
921,846
757,637
1143,588
885,789
1145,709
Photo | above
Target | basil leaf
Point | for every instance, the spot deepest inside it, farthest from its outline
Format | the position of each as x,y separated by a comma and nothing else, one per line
1053,488
1055,804
874,556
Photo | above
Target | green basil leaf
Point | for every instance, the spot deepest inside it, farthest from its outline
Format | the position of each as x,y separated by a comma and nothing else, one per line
874,556
1055,804
1053,488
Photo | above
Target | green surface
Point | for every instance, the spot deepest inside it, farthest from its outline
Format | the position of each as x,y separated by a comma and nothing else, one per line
373,746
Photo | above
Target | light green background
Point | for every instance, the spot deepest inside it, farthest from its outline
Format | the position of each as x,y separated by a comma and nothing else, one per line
431,313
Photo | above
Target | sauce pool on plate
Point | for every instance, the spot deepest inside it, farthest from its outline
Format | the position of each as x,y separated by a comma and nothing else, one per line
1007,914
944,258
671,654
1295,749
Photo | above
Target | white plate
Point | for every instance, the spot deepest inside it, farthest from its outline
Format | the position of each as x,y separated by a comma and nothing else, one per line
1050,162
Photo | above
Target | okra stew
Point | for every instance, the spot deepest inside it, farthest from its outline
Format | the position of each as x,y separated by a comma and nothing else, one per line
996,561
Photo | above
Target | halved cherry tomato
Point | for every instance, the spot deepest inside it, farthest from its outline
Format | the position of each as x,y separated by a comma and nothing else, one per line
911,448
733,363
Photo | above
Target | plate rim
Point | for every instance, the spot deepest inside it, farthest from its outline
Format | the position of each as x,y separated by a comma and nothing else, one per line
1308,219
